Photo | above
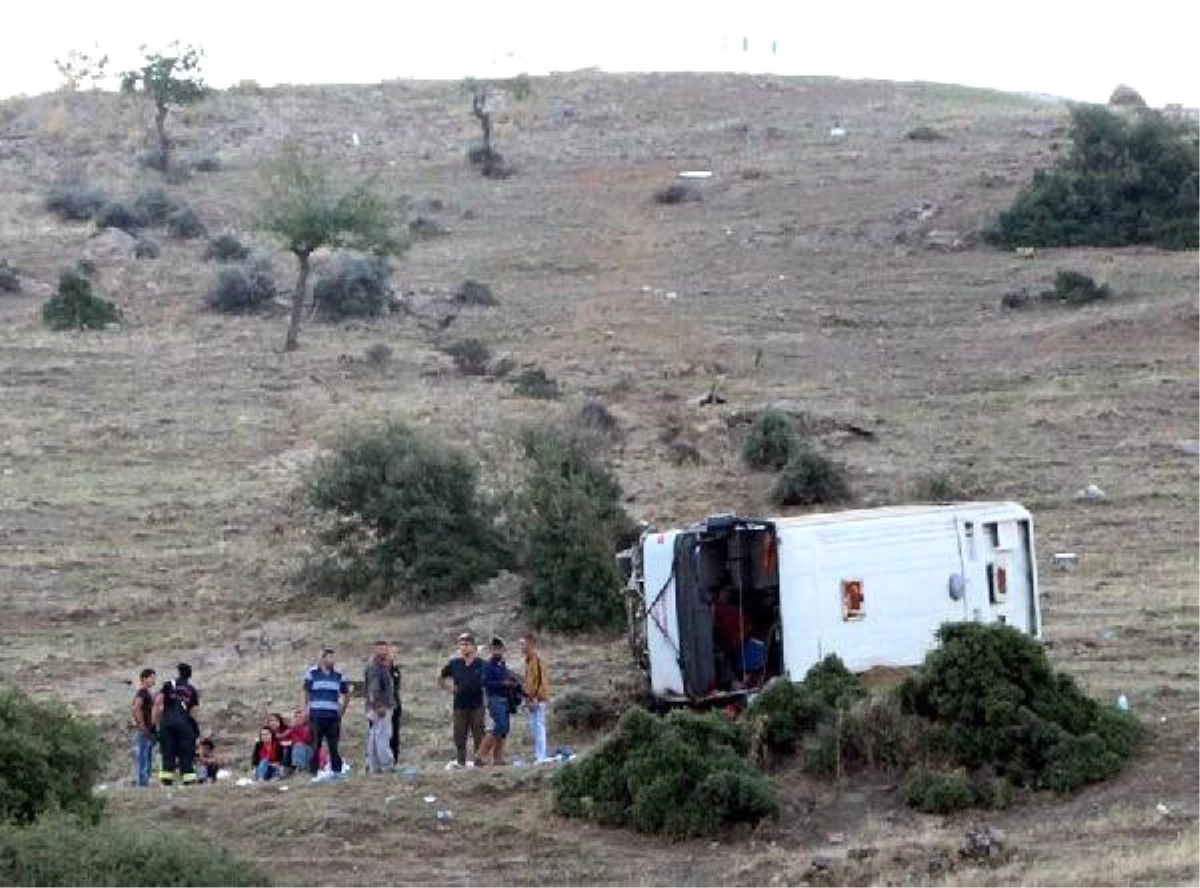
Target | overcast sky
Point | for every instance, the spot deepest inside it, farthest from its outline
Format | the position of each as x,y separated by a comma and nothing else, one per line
1078,50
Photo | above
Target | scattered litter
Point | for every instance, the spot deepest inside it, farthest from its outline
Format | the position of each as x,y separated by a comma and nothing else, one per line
224,774
244,781
1162,719
671,294
284,788
1092,493
431,799
1123,703
1162,809
520,763
1067,561
452,766
445,816
1109,634
695,174
102,787
837,838
410,773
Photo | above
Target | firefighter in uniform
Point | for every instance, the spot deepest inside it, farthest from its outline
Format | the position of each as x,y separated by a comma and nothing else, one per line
177,728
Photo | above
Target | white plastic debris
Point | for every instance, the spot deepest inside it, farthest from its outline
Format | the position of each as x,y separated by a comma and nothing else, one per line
244,781
1162,809
431,799
1123,703
695,174
1066,561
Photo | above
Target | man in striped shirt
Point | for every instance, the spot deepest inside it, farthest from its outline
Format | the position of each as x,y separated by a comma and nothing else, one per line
326,694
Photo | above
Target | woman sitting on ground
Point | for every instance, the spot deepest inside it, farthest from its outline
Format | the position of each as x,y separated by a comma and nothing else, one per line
299,734
283,736
267,758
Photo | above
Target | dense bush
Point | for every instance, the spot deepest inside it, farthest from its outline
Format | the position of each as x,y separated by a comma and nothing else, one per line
154,206
1075,288
581,711
76,201
404,518
676,194
683,775
75,307
225,248
472,292
924,134
994,701
1124,182
470,356
115,214
183,223
570,523
532,382
146,248
807,717
356,287
10,280
63,850
809,478
242,288
772,441
938,792
49,759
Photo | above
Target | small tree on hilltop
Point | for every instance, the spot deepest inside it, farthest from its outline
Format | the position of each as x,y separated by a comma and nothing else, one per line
487,97
79,66
304,210
170,78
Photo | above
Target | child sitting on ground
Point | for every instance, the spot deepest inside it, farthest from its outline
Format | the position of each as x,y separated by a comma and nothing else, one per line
267,758
207,766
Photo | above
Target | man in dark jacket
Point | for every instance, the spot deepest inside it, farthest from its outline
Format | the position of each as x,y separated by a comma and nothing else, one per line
381,694
501,688
397,706
177,729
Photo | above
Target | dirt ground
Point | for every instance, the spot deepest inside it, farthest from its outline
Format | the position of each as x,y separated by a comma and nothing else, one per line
147,474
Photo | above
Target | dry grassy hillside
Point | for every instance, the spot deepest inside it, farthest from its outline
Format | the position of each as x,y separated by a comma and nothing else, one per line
147,472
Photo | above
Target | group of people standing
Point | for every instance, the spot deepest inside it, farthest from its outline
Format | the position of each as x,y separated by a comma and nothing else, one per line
485,694
488,691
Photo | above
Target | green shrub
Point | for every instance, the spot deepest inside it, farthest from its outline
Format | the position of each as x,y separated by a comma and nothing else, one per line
581,711
937,792
570,521
1075,288
225,248
772,441
810,478
76,201
404,518
49,759
146,248
183,223
472,292
924,134
10,280
470,356
807,716
243,288
356,287
75,307
62,850
993,700
115,214
532,382
1124,182
943,487
684,775
154,206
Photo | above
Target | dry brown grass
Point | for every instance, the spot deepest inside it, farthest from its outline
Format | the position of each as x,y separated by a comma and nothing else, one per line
148,472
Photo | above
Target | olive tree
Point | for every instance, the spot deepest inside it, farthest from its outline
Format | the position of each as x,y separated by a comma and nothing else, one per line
487,97
306,212
170,77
